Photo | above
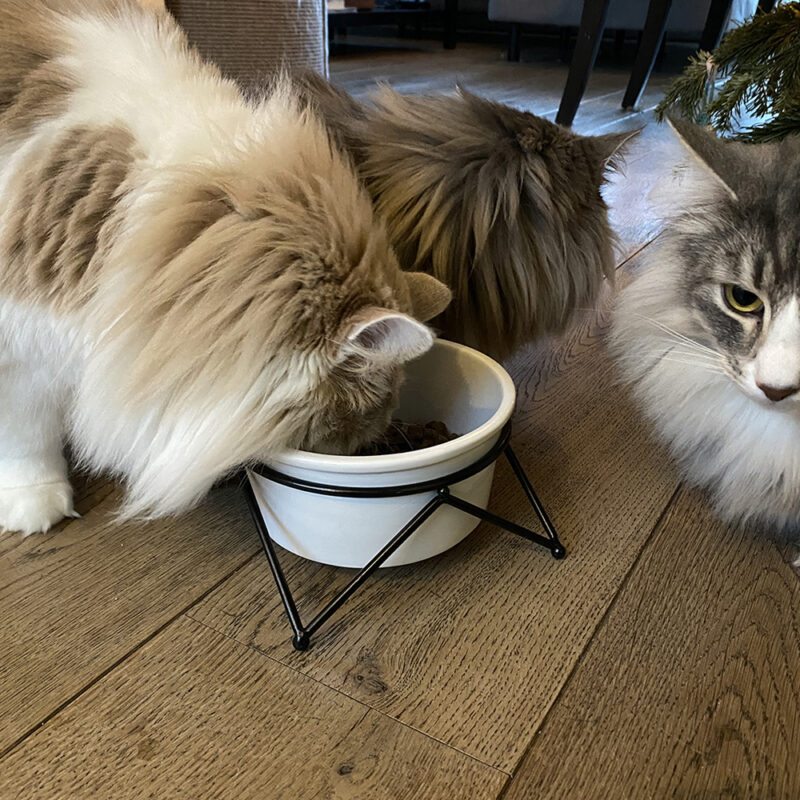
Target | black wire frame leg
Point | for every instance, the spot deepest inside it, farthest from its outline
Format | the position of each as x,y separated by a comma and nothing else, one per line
303,632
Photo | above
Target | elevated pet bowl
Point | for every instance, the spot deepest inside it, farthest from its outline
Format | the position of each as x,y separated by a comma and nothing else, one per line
388,510
472,395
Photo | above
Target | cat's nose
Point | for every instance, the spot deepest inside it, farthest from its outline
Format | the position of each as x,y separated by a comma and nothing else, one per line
777,394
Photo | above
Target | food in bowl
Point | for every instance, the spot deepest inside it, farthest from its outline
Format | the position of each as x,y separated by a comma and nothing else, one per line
468,391
405,437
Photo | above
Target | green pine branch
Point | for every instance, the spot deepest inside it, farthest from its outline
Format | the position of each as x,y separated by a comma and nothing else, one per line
787,123
755,71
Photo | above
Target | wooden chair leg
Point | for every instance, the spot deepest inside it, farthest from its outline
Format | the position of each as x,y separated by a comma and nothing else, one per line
593,22
646,55
513,42
662,53
715,22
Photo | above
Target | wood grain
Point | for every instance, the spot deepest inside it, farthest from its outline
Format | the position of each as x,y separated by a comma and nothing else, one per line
683,686
691,689
74,601
194,715
490,630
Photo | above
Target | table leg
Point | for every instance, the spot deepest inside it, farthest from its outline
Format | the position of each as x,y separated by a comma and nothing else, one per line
652,36
593,22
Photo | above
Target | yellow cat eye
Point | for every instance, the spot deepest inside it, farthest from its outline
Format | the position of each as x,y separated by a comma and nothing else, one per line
742,301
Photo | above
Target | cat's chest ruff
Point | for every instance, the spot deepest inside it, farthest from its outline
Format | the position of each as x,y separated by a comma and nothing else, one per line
721,432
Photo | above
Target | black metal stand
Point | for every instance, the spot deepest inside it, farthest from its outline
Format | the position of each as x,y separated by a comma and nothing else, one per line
441,486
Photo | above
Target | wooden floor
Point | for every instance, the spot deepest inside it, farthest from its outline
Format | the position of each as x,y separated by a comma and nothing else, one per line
661,659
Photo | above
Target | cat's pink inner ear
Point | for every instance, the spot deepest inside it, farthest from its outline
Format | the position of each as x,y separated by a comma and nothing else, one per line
385,336
429,296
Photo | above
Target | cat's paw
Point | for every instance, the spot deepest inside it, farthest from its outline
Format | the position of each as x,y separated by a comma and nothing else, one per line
35,509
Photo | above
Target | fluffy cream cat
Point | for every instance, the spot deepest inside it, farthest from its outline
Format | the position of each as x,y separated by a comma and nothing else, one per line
188,280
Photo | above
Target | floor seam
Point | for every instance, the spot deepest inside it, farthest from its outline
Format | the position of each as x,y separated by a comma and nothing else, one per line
350,697
125,657
598,627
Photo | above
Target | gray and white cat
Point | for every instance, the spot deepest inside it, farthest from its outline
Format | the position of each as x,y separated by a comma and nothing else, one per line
709,333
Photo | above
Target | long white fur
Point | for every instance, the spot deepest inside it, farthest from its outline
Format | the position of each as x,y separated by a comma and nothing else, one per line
57,378
35,348
722,429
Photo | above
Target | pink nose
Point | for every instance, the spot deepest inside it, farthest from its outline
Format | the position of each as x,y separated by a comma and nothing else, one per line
777,394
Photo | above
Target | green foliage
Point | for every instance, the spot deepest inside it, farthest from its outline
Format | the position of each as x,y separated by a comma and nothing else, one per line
758,68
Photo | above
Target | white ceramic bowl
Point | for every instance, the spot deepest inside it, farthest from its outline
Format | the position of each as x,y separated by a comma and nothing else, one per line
465,389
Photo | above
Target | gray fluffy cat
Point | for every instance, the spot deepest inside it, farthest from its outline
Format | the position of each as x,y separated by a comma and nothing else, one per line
501,205
709,334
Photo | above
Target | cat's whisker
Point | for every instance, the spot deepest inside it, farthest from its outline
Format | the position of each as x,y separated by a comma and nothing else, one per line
676,334
707,366
697,360
685,340
704,366
697,355
399,429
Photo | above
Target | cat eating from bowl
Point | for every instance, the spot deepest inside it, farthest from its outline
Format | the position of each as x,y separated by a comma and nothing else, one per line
189,280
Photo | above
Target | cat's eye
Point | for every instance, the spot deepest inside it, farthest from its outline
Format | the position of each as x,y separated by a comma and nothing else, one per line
741,300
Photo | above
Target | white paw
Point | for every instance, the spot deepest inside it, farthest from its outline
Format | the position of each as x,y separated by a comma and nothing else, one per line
34,509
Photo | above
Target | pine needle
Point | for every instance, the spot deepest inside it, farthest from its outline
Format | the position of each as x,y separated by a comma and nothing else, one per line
755,71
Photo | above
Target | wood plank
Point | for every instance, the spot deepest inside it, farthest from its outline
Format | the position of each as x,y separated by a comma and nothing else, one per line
692,686
195,715
473,647
536,90
533,86
76,600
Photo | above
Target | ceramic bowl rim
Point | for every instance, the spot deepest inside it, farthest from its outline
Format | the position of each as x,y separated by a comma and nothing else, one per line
397,462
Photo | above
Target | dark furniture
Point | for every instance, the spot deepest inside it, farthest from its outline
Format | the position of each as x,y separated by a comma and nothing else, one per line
400,16
653,35
589,36
251,39
590,33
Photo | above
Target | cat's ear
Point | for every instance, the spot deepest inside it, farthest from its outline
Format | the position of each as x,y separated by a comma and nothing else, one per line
429,296
712,162
610,147
384,336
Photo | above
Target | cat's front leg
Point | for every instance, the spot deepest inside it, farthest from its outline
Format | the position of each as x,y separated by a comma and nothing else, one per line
34,489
